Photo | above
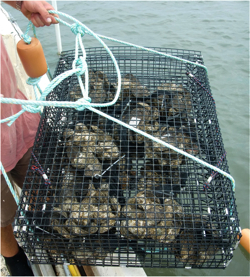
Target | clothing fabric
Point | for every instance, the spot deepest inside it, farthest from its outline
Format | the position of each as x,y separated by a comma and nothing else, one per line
19,137
16,140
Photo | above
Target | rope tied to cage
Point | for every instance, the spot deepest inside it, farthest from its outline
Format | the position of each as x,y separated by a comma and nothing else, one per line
81,67
83,103
40,170
25,108
43,200
34,109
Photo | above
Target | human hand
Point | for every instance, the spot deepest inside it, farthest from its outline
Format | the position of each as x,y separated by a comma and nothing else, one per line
37,12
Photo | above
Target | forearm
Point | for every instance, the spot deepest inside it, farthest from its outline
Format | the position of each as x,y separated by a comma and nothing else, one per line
36,11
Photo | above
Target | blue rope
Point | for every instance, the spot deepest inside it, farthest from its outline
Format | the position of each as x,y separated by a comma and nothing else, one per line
9,183
79,67
25,36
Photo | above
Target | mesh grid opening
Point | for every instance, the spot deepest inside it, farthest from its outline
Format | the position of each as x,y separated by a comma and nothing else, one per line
116,197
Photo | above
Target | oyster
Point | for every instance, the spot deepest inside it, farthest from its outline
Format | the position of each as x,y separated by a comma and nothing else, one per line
131,85
82,254
179,103
171,87
189,143
194,252
87,147
146,183
106,148
152,176
84,158
150,128
97,212
94,250
146,217
98,87
79,231
140,114
62,230
192,246
171,100
165,155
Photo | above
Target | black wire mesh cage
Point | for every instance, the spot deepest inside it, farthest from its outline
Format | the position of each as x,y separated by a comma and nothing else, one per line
114,197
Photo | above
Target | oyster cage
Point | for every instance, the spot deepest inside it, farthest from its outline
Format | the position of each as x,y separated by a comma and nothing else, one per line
116,198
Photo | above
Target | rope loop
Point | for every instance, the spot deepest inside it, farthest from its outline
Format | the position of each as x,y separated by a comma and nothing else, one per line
83,103
79,67
33,81
26,38
78,29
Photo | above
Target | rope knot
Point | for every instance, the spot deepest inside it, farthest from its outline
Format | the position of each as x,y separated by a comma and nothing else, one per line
26,38
31,109
83,102
81,66
33,81
77,29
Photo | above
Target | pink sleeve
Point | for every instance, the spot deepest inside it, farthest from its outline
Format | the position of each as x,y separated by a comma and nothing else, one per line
20,136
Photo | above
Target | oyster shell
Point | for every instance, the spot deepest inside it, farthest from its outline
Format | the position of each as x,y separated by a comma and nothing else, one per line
165,155
131,85
171,87
194,248
147,217
97,212
98,87
55,224
87,147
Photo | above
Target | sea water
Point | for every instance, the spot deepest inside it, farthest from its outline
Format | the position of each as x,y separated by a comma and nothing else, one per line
220,30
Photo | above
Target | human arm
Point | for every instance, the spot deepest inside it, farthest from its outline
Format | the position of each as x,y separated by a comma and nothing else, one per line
36,11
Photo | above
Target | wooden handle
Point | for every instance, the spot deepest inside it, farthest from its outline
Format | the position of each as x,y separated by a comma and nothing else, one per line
32,57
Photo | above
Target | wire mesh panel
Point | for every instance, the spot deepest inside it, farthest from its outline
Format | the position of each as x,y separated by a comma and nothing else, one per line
97,193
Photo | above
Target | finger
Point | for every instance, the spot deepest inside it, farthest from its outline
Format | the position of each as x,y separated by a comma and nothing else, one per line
54,21
46,17
47,6
37,20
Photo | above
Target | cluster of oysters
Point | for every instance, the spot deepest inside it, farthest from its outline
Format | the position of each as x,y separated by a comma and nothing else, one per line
97,212
146,217
87,149
165,114
90,145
